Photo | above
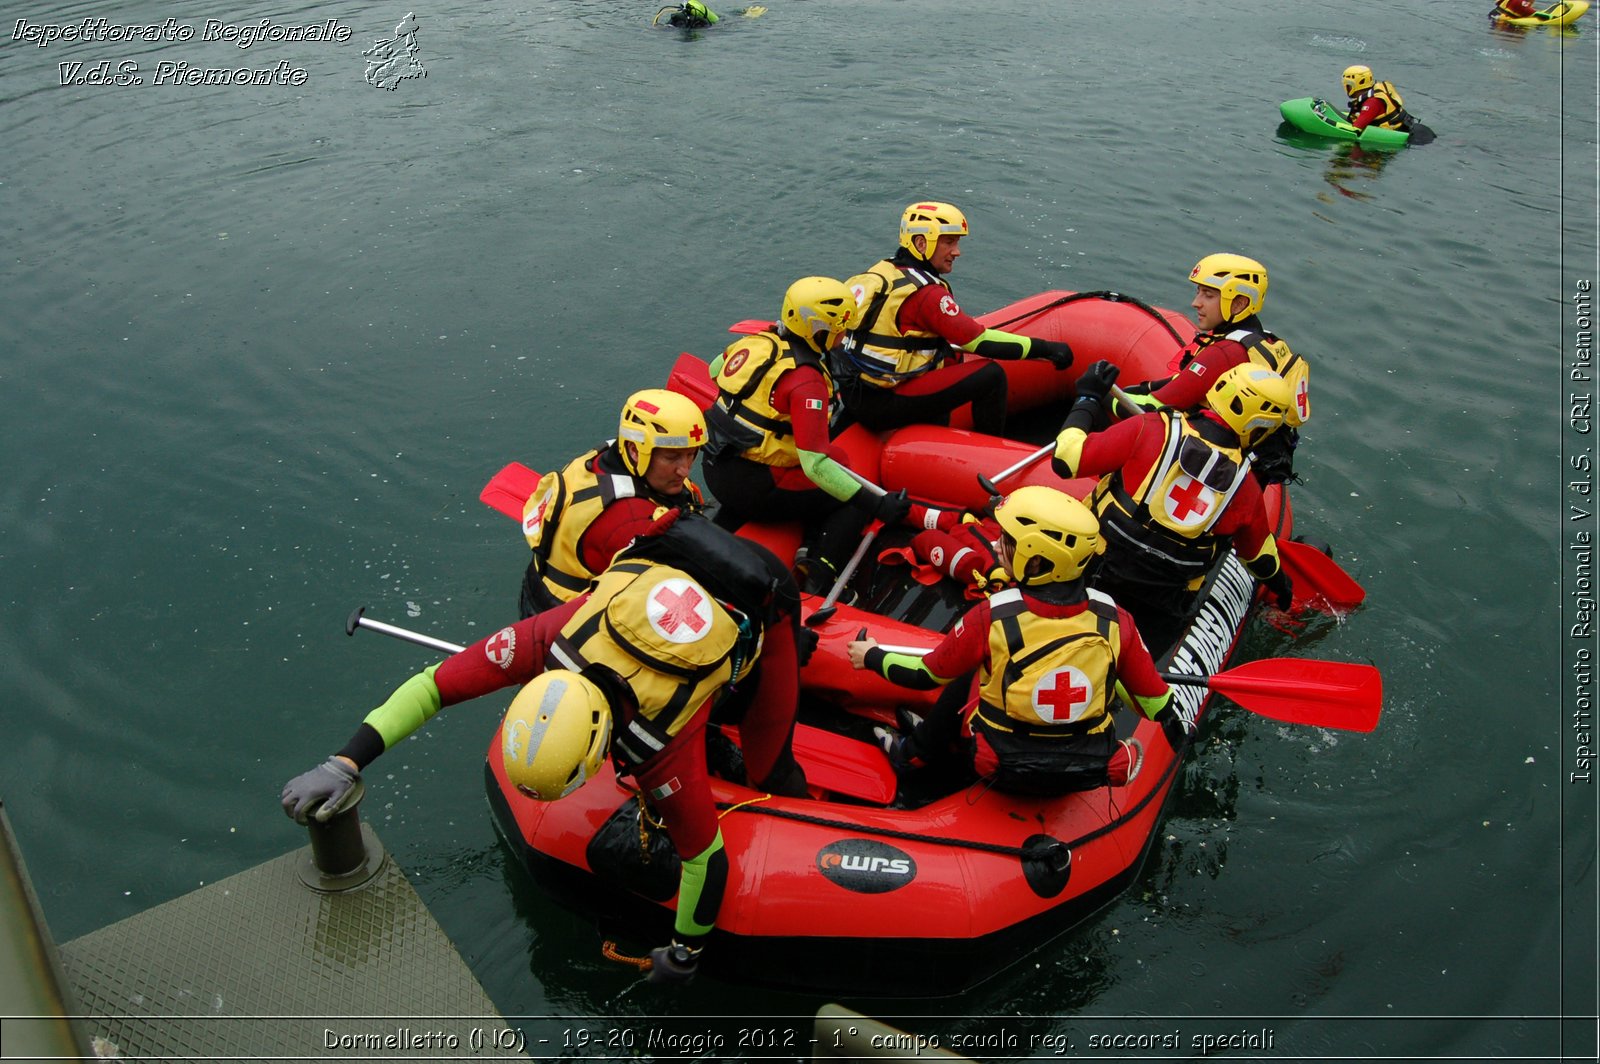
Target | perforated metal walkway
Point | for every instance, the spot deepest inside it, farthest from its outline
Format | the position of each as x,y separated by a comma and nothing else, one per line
261,967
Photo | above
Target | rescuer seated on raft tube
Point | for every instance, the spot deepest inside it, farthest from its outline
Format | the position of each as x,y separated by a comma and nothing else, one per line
1229,292
633,669
1175,491
577,519
1378,103
891,368
1048,656
770,457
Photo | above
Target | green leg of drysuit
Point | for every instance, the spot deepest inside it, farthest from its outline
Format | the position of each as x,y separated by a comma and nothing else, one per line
700,887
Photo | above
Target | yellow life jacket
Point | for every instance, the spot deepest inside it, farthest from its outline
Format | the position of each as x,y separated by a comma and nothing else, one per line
673,644
560,511
1049,677
876,352
743,416
1166,519
1394,114
1267,350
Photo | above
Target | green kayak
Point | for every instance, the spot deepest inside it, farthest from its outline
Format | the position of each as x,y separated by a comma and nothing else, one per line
1326,120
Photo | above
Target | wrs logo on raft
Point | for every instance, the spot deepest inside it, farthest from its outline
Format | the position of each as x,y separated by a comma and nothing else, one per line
866,867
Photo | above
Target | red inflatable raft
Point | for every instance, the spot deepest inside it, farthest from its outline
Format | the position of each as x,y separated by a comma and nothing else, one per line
844,893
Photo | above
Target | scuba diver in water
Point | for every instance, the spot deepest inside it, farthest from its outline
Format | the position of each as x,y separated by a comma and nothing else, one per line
690,15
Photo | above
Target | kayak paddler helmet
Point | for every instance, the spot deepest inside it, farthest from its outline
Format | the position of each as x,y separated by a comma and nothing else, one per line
555,734
1357,78
1252,400
930,221
1052,526
816,308
1233,275
655,418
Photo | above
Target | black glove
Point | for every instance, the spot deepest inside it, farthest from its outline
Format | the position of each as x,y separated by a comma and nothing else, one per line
675,963
1282,589
1055,352
805,643
1176,729
1097,380
325,784
891,509
1088,414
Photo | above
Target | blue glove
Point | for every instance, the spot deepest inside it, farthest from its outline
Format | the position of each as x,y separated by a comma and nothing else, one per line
321,788
674,964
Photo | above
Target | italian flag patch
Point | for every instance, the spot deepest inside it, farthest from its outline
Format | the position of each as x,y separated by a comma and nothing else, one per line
666,790
813,404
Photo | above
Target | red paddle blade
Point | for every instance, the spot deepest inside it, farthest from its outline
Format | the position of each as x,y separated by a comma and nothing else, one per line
509,489
1319,581
1327,694
691,376
751,326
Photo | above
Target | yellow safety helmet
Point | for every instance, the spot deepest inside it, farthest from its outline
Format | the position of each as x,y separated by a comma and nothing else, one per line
555,735
1233,275
1051,525
930,220
655,418
1357,78
816,308
1252,400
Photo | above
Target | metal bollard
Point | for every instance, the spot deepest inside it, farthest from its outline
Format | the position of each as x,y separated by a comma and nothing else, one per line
345,853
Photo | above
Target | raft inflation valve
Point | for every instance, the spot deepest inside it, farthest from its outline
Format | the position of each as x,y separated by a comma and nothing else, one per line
344,853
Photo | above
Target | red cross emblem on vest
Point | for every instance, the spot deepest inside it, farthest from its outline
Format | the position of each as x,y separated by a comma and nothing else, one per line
1301,403
533,520
501,646
679,611
1188,498
1062,695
